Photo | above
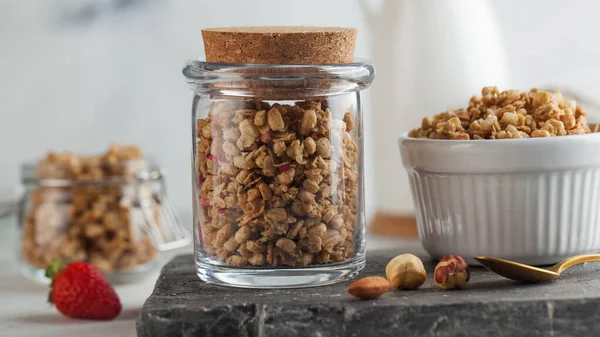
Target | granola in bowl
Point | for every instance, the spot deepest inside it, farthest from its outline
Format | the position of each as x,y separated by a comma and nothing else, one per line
507,115
509,199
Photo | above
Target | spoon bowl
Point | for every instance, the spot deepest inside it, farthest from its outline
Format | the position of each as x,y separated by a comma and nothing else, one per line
525,273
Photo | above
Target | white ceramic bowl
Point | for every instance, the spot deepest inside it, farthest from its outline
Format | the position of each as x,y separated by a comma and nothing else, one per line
536,201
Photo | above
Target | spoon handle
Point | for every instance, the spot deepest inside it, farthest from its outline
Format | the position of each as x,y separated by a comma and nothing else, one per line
568,263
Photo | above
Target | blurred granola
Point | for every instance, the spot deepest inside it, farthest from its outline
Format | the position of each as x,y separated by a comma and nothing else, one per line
90,222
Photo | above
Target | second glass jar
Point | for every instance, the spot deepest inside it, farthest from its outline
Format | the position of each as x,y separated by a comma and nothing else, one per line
278,173
109,210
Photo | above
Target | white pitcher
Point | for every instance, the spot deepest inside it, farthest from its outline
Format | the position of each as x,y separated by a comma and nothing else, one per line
430,55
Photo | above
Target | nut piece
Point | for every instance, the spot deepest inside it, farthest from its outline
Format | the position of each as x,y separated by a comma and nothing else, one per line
405,271
452,272
369,287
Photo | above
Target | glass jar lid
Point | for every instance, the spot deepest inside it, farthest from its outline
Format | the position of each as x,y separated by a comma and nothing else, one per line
277,80
64,174
117,165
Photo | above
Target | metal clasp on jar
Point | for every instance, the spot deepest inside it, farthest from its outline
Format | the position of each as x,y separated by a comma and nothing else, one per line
171,236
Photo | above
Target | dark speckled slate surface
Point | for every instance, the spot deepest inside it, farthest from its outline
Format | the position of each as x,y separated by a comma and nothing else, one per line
182,305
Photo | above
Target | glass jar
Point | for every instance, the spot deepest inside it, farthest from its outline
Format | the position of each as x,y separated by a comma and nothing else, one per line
278,172
111,213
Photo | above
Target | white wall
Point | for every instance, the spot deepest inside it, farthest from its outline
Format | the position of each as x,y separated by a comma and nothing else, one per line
553,42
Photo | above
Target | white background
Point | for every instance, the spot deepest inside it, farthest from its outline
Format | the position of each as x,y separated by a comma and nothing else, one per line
78,85
79,74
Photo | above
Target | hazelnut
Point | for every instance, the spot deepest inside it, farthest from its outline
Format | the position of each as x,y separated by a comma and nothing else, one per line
405,271
452,272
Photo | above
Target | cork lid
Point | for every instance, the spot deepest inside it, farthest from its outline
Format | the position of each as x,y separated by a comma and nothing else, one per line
280,45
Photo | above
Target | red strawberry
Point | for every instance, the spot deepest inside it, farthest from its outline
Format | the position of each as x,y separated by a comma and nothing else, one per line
80,290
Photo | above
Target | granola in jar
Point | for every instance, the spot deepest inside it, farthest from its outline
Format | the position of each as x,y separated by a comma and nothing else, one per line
277,156
277,183
79,209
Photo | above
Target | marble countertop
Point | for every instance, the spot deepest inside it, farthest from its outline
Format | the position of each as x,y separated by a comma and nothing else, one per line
24,311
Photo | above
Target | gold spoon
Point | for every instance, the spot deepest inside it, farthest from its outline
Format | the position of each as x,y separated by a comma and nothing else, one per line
524,273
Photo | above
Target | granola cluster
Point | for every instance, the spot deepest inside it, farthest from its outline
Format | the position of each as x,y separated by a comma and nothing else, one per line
507,114
89,221
277,184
